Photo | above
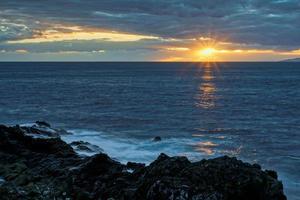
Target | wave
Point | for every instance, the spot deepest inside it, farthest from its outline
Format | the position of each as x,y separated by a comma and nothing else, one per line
195,146
136,150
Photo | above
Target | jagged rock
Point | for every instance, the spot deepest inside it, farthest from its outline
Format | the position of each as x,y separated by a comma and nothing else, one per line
33,166
48,168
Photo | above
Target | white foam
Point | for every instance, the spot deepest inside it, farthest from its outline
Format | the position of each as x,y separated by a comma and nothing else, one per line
2,181
130,170
135,150
27,124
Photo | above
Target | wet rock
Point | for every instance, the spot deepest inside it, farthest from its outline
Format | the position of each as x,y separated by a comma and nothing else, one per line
156,139
81,146
42,129
48,168
43,123
85,147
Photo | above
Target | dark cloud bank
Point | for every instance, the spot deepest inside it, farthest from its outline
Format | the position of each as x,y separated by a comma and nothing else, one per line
273,23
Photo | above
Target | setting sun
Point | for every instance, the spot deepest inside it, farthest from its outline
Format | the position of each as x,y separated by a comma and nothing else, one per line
207,51
207,54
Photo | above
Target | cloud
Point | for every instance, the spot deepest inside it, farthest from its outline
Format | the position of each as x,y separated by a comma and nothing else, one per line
177,49
21,51
270,22
148,25
76,33
13,29
77,52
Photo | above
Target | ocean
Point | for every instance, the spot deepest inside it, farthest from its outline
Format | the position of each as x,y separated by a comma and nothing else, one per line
247,110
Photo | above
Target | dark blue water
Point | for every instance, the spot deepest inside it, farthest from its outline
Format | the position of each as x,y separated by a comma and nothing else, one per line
248,110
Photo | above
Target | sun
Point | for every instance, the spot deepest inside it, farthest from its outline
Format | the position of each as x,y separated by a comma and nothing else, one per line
207,49
207,52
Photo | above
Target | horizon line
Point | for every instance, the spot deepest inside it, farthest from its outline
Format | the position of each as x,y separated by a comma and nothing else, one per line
147,61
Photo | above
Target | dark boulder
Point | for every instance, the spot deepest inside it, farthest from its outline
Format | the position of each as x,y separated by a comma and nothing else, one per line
50,146
135,166
221,178
34,168
103,178
100,164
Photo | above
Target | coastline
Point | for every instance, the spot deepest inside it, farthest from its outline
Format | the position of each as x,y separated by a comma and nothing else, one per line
37,164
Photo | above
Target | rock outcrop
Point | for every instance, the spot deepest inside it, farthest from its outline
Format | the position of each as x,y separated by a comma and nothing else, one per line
49,168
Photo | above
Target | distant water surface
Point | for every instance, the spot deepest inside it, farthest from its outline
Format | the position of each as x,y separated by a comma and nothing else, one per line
247,110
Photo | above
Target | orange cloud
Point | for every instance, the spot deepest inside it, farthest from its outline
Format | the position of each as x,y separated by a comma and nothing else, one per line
77,33
21,51
177,49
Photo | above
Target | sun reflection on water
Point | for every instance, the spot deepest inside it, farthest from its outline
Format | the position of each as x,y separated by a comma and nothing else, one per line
206,93
206,100
206,147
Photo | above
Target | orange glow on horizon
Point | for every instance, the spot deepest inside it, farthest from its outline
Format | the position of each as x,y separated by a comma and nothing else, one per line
222,50
214,54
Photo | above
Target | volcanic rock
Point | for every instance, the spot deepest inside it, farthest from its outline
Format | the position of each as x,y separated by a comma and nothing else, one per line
49,168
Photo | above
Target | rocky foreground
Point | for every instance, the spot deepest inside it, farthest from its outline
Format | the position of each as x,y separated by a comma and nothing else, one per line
48,168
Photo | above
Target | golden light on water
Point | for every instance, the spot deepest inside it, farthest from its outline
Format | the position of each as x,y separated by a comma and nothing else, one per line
205,99
206,94
206,147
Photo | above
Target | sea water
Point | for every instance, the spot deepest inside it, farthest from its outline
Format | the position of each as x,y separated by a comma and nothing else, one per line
247,110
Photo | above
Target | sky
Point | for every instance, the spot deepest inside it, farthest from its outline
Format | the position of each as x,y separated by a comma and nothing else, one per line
149,30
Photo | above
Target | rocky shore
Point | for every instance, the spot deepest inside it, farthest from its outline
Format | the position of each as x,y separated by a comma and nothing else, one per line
36,164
